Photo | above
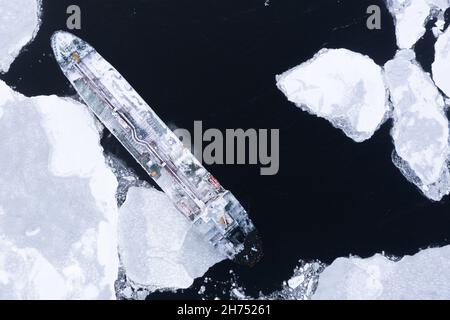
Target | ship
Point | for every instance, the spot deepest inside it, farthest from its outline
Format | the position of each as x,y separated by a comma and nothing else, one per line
214,212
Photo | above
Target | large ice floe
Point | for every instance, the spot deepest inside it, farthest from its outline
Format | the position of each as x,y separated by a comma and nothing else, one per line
422,276
157,246
421,128
19,23
342,86
58,211
410,17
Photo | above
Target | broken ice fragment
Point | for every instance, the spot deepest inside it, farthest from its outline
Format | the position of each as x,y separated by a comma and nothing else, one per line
158,247
294,282
421,128
342,86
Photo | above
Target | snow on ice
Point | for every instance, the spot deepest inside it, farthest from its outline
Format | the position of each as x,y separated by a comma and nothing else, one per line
342,86
57,199
421,128
19,23
422,276
410,17
157,246
441,65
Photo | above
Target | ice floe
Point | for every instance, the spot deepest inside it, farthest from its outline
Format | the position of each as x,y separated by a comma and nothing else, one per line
342,86
59,214
441,64
157,246
421,128
19,23
422,276
411,16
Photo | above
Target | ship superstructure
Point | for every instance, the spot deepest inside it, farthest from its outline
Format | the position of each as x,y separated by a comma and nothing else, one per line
214,211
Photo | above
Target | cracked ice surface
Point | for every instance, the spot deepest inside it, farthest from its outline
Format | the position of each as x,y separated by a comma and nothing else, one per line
422,276
421,128
342,86
19,23
441,65
57,202
157,245
410,17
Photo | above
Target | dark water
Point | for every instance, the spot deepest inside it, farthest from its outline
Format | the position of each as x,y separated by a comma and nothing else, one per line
216,61
424,48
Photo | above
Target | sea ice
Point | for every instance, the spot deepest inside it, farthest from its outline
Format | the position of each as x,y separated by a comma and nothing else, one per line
421,128
342,86
57,197
422,276
19,23
301,285
157,246
441,65
410,17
